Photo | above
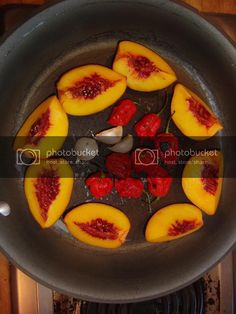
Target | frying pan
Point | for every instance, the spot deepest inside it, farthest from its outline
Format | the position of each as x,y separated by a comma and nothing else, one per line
76,32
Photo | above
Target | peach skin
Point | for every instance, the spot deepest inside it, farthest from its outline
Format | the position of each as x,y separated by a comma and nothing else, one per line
48,187
89,89
98,225
145,70
173,222
202,180
192,115
45,129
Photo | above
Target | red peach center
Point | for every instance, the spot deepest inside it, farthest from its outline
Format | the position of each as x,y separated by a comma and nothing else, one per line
209,178
180,227
100,228
90,87
47,188
142,65
203,116
39,128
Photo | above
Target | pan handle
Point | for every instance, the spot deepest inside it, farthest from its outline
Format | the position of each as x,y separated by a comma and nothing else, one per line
5,209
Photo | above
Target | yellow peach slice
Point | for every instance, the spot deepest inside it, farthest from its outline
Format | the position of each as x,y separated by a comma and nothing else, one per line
192,115
89,89
48,187
202,180
173,222
44,130
98,224
145,70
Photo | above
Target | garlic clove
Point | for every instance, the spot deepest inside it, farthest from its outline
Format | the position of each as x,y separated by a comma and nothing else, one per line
110,136
124,146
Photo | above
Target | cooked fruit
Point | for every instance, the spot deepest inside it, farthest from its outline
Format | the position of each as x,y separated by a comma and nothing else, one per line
202,180
150,123
143,161
159,181
119,165
48,188
99,184
173,222
98,224
192,115
145,70
167,145
45,129
129,187
89,89
123,113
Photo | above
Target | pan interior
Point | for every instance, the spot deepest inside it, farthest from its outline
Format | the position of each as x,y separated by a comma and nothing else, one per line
101,50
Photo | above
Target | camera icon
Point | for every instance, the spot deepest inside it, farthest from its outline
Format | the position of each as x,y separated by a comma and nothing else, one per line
27,156
146,156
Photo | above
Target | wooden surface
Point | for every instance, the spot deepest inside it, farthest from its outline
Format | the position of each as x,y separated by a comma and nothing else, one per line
5,298
36,2
213,6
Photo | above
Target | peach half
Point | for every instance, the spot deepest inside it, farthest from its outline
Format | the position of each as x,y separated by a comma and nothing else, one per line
44,130
48,187
202,180
145,70
98,225
89,89
192,115
173,222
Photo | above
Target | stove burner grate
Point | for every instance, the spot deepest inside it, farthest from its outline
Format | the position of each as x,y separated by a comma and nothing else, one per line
189,300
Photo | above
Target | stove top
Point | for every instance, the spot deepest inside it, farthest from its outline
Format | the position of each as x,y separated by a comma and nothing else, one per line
212,294
190,300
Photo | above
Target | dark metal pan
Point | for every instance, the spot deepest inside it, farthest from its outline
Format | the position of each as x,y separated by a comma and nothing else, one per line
75,32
